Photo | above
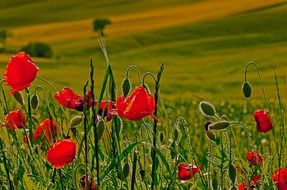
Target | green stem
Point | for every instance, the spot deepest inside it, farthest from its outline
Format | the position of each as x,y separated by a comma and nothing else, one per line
153,152
261,83
94,123
61,179
47,82
85,131
6,166
133,180
30,117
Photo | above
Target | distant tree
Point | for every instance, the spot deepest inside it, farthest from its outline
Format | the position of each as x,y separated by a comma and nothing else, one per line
100,24
3,36
38,49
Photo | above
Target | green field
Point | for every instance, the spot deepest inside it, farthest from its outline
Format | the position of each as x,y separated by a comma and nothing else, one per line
205,45
204,56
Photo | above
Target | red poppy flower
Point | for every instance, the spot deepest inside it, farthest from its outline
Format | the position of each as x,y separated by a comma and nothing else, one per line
241,186
47,129
139,104
255,158
107,110
83,181
67,98
254,181
280,178
15,119
252,185
186,171
61,153
263,123
20,72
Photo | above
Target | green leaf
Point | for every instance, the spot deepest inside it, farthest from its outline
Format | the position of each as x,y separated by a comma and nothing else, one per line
118,159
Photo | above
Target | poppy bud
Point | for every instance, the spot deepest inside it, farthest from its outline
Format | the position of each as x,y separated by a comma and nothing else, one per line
76,120
232,173
246,89
142,173
255,158
219,125
280,178
34,101
186,171
61,153
263,123
175,134
126,170
206,108
126,86
210,135
161,137
19,98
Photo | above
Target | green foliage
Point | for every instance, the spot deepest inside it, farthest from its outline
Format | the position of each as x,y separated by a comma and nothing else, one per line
100,24
38,49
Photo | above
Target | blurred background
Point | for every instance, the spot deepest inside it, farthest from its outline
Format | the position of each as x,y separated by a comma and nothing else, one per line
205,44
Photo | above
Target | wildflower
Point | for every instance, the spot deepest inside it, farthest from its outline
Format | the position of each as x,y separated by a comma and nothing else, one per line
83,181
251,185
20,72
15,119
67,98
107,110
47,129
263,123
61,153
139,104
255,158
241,186
186,171
280,178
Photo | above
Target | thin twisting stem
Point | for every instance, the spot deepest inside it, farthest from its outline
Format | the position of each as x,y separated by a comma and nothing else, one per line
153,153
261,83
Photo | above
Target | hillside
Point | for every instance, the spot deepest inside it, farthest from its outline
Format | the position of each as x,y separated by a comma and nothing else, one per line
205,44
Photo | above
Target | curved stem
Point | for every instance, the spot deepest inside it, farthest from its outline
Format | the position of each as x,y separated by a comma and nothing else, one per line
149,74
261,83
47,82
133,67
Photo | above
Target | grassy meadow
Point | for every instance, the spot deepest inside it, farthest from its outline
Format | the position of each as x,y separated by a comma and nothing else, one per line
205,45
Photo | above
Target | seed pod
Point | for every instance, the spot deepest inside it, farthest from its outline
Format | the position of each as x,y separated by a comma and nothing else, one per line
232,173
100,128
76,120
19,98
126,86
142,173
246,89
126,170
210,135
206,108
219,125
176,134
161,137
34,101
